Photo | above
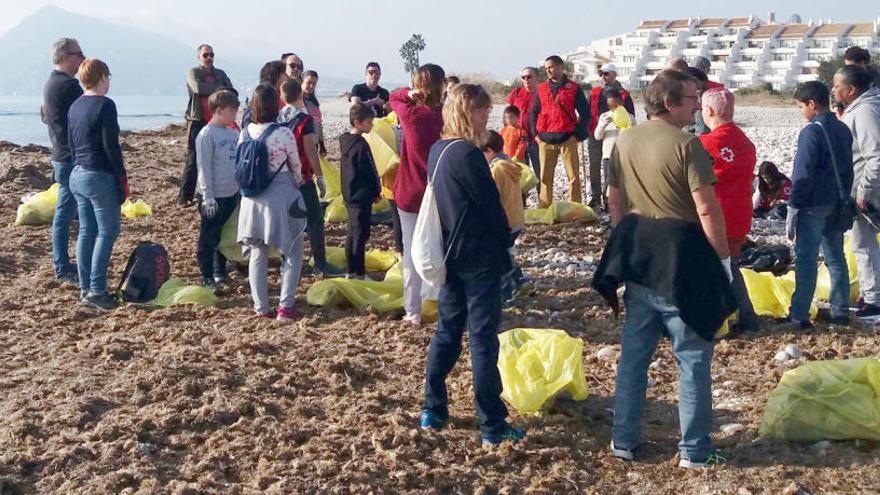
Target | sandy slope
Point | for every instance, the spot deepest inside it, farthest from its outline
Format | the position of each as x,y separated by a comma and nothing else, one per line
193,400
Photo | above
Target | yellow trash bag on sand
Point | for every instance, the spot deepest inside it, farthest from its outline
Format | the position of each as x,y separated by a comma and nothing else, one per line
770,295
175,291
377,260
39,208
229,246
136,209
560,212
383,146
527,180
380,297
332,179
823,282
537,365
826,400
337,212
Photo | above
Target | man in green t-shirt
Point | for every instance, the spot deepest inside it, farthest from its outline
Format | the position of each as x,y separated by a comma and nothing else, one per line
659,171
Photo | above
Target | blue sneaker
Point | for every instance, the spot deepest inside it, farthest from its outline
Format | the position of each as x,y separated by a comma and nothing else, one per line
509,434
430,421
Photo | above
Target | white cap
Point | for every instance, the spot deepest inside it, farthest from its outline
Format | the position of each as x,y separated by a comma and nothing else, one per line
608,68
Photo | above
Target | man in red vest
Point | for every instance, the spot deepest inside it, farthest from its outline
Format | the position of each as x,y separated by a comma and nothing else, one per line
598,106
522,98
560,117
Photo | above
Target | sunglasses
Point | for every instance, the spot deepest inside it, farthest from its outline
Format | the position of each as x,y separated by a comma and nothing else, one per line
208,55
372,72
295,66
525,78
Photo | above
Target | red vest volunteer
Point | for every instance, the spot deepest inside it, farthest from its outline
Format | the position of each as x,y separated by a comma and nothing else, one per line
559,109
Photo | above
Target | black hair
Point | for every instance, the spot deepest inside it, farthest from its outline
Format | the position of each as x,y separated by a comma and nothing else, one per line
857,77
857,54
453,80
291,91
494,142
812,90
555,59
613,92
511,109
359,112
264,104
777,178
373,64
271,72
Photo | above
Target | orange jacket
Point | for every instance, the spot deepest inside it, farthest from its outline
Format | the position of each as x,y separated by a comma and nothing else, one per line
515,140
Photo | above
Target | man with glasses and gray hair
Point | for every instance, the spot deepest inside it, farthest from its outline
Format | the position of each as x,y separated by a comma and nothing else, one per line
201,82
60,91
522,97
293,66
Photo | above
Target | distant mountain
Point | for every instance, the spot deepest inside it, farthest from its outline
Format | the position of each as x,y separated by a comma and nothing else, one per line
142,62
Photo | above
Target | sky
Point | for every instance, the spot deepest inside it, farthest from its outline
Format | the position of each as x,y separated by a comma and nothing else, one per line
338,37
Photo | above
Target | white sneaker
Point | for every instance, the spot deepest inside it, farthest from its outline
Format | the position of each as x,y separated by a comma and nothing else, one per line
413,319
715,458
626,455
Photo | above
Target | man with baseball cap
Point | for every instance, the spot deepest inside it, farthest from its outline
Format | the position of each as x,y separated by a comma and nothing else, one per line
598,106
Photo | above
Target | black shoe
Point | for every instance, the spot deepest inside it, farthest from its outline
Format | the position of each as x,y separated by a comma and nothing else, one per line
68,277
100,300
788,324
328,271
825,316
868,312
212,284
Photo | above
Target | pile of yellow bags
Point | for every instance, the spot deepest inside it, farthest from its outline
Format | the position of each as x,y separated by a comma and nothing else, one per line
527,180
377,260
229,246
561,212
175,291
39,208
367,295
537,365
136,209
826,400
336,211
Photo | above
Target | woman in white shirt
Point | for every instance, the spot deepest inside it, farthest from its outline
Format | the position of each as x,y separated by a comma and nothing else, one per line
276,218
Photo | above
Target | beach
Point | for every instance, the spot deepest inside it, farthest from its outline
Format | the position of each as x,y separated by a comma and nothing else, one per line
191,399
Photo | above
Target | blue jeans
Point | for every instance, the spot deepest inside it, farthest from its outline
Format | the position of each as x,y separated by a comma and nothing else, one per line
98,201
534,160
811,232
472,301
65,212
648,317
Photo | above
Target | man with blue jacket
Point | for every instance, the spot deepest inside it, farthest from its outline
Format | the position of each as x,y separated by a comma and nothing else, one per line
823,174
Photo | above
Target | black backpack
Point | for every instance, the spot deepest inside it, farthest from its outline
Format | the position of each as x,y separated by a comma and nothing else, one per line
147,269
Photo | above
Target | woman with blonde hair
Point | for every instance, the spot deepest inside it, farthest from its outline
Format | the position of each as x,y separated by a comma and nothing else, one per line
419,114
98,181
476,237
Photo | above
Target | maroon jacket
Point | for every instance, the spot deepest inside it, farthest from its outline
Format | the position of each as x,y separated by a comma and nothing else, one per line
421,126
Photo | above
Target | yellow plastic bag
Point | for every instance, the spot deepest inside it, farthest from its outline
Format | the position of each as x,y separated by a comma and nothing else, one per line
383,146
826,400
332,180
137,209
537,365
175,291
337,212
39,209
770,295
377,260
620,118
390,119
527,180
367,295
229,246
560,212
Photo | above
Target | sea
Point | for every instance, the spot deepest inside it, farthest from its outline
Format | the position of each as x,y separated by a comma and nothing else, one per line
20,115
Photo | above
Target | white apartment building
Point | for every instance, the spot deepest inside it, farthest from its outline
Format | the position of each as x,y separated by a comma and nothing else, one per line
745,51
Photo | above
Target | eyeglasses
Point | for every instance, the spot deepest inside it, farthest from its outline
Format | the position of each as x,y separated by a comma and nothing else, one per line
208,55
525,78
373,72
295,65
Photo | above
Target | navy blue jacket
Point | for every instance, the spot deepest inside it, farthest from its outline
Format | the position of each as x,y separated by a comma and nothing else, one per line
813,182
475,229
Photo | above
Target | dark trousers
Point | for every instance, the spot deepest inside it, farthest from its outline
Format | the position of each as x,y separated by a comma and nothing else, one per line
748,320
535,161
190,172
212,263
472,301
358,232
395,224
314,222
594,151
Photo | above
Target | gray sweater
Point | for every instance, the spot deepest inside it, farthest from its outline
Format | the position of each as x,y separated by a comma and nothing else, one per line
863,119
215,159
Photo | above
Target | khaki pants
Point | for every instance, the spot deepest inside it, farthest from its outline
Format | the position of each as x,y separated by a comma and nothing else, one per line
549,154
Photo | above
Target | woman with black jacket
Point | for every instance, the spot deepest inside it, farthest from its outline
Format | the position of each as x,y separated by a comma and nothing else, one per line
98,181
476,237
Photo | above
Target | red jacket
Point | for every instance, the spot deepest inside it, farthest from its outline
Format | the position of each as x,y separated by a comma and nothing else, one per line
522,99
421,126
557,117
734,164
305,123
598,107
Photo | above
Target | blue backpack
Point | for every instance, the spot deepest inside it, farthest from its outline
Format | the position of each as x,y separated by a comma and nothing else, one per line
252,164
